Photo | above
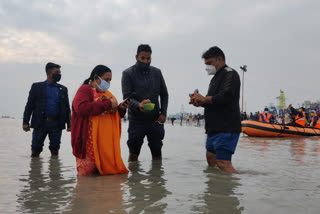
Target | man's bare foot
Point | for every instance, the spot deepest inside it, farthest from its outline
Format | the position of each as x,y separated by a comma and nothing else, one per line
211,159
226,166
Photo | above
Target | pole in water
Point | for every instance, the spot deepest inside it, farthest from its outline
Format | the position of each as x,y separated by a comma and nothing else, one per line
244,69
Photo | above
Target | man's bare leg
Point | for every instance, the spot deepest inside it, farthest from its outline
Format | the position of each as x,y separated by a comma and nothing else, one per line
133,157
211,159
226,166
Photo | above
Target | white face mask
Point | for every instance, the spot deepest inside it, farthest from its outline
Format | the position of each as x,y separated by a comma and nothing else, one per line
211,70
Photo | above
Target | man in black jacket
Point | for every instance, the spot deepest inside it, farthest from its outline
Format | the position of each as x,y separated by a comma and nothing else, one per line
222,111
48,103
145,84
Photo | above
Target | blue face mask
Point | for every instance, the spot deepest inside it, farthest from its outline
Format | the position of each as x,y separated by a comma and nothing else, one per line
104,85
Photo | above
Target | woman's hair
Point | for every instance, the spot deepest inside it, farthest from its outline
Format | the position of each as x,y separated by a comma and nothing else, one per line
99,71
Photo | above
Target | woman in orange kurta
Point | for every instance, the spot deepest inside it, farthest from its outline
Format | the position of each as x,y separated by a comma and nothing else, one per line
106,133
96,123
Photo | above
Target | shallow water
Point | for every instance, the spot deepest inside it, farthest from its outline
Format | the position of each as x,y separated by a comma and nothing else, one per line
276,175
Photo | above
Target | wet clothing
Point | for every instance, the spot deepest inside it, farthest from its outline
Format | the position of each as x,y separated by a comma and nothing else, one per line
146,85
87,164
223,145
223,115
106,134
48,103
39,135
102,152
83,106
138,130
150,85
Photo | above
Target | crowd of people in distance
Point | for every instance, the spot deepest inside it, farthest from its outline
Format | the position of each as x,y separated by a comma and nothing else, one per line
189,119
291,116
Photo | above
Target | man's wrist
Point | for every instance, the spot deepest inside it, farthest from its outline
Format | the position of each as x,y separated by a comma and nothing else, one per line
208,100
164,114
140,106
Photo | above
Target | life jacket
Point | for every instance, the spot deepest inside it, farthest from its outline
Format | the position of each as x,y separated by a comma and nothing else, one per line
317,125
266,117
301,120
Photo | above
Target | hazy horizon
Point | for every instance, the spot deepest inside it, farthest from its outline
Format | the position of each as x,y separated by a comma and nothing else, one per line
278,41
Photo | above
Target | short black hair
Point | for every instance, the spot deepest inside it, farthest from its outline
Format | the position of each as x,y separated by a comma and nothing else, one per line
213,52
144,47
51,65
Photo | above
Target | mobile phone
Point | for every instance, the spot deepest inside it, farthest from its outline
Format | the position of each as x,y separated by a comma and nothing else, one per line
195,91
127,101
129,98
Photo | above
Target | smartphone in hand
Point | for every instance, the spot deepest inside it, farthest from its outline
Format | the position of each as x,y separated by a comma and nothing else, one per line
128,99
195,91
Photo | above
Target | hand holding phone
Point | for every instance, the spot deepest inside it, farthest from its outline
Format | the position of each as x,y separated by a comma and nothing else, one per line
191,94
125,103
128,99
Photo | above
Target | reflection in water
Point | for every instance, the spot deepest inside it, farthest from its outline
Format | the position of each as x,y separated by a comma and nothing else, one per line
146,189
298,149
98,194
316,147
219,196
44,192
256,143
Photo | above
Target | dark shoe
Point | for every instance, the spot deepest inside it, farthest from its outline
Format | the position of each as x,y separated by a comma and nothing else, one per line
35,154
54,152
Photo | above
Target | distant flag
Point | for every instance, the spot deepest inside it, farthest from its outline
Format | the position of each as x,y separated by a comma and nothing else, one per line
282,100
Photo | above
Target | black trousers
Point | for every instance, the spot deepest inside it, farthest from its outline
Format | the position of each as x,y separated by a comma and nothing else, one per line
51,129
138,130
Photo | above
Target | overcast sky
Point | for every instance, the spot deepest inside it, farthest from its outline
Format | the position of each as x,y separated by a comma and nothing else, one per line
277,40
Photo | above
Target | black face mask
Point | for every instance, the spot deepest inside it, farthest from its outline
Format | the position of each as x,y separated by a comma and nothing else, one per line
56,77
143,66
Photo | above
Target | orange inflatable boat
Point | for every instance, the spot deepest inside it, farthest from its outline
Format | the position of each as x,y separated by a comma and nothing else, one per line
259,129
